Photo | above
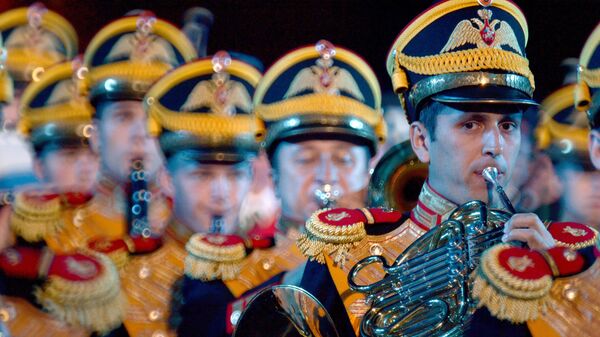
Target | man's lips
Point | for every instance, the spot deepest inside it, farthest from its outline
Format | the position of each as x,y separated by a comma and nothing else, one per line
479,171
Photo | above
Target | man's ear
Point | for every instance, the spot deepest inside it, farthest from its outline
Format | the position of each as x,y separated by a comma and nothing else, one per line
165,181
38,168
275,178
420,141
95,136
594,147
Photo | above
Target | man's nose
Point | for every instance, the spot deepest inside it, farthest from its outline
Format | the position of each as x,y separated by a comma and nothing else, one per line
220,186
493,142
327,171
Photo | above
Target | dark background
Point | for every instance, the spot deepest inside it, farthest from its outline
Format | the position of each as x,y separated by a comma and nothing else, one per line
268,29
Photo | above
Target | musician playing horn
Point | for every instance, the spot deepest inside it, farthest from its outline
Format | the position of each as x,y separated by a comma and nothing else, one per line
461,71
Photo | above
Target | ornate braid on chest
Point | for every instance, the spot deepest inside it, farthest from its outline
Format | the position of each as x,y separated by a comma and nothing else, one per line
148,280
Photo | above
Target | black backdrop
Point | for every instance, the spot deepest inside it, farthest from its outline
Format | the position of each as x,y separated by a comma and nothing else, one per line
269,28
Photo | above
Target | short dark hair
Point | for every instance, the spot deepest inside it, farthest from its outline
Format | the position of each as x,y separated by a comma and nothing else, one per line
100,107
428,116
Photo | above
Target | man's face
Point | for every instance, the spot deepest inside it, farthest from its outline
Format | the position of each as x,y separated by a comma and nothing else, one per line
466,143
204,193
594,147
580,200
302,168
69,169
122,138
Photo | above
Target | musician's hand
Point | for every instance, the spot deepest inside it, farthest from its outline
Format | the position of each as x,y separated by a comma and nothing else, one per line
528,228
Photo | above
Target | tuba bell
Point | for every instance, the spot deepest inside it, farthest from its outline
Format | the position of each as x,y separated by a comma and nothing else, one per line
285,311
397,179
426,291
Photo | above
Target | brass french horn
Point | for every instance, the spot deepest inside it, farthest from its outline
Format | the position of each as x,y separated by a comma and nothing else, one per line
397,179
426,290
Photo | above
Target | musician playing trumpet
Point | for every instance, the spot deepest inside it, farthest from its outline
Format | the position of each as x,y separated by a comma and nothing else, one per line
460,69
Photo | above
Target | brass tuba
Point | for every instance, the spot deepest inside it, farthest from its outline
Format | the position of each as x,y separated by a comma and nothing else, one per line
426,290
285,311
397,179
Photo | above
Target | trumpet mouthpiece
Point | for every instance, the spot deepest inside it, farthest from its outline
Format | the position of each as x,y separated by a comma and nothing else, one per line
490,174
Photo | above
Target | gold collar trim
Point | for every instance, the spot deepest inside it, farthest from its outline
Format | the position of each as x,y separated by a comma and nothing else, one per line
432,208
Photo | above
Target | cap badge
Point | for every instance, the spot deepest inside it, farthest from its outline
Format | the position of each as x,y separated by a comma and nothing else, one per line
219,94
142,46
520,264
484,34
324,77
575,231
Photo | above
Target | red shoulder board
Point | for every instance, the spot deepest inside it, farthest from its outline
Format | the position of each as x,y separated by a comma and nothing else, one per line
572,235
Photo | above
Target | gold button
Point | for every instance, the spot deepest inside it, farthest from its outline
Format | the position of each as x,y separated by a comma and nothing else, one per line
159,333
376,249
154,315
78,218
144,272
235,317
569,292
267,263
7,312
570,255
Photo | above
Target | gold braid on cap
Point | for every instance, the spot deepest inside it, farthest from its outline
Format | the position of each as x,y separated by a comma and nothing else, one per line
209,260
34,219
591,77
204,125
97,304
71,111
322,238
465,61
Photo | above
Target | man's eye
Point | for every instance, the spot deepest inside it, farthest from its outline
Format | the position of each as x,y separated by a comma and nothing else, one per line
202,175
470,125
344,159
508,126
122,116
236,174
305,159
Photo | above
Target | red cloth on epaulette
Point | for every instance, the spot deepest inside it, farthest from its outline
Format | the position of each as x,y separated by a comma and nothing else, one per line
573,235
21,262
75,267
568,261
342,217
523,263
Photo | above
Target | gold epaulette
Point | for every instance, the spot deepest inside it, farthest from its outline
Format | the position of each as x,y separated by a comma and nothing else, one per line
336,231
34,218
24,319
85,294
514,283
573,308
573,235
214,256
